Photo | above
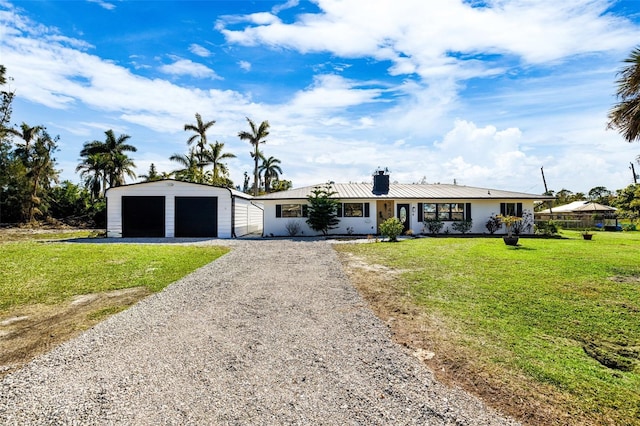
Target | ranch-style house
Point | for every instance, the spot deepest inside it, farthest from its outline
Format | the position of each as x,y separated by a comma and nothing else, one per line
363,207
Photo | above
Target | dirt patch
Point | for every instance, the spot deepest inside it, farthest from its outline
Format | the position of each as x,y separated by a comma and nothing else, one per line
29,331
431,341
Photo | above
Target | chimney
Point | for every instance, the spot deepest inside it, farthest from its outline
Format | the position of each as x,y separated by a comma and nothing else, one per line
381,182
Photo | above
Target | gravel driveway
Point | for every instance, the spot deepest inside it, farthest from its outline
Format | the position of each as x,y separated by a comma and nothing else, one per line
271,333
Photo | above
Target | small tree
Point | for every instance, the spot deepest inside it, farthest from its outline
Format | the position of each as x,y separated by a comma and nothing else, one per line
323,210
391,228
509,222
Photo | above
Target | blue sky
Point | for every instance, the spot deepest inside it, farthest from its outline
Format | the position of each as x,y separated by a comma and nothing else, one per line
480,92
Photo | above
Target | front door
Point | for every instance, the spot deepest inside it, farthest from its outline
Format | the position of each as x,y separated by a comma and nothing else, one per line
403,216
385,211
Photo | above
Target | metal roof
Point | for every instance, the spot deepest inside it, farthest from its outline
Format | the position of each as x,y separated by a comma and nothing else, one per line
406,192
579,206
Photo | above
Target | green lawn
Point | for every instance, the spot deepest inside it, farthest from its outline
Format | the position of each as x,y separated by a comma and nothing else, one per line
546,310
50,272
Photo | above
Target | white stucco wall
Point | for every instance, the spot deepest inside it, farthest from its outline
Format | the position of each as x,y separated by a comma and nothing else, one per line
170,190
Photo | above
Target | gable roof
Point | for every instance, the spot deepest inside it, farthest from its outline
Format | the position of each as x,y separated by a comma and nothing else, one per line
579,206
406,192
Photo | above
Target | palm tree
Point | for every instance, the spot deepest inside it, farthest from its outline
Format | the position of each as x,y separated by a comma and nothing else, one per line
36,156
255,137
27,134
214,156
41,170
200,129
270,170
92,173
625,115
112,158
122,165
190,171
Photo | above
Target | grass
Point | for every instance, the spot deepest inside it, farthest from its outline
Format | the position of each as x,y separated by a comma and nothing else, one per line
34,272
562,315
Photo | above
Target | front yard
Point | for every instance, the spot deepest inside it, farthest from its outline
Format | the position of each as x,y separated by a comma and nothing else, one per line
548,331
51,291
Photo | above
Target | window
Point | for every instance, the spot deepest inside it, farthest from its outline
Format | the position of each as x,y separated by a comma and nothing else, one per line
353,210
291,210
444,211
457,211
511,209
429,211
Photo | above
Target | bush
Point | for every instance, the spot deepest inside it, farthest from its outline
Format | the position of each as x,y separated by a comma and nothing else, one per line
462,226
546,228
524,226
293,228
493,224
391,228
433,225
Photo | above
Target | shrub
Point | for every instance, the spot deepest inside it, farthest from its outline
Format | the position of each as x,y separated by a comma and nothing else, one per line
433,225
462,226
493,224
523,226
391,228
546,228
293,228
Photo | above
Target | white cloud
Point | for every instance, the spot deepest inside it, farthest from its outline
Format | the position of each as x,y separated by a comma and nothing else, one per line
244,65
187,67
103,4
201,51
443,40
288,5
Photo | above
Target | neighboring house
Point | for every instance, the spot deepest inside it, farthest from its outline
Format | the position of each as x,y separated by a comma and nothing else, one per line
581,214
170,208
363,207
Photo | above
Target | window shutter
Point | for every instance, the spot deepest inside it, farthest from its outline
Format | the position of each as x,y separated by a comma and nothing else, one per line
366,210
420,212
339,210
519,210
278,210
305,210
467,211
503,209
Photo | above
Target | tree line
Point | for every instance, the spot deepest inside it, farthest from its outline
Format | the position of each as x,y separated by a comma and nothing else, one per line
30,190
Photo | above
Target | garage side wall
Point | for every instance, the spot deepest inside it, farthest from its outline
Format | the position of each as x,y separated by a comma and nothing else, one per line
170,190
248,217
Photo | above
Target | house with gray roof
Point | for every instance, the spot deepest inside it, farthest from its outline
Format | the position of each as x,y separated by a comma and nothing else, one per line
363,207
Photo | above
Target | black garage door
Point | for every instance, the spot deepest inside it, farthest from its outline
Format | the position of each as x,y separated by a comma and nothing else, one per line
196,216
143,216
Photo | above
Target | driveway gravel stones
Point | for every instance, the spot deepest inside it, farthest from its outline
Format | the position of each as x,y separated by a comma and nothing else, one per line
270,333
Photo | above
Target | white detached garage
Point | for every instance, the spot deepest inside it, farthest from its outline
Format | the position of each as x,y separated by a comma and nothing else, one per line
171,208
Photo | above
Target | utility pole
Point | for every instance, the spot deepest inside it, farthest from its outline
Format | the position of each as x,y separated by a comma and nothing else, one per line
635,176
546,190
